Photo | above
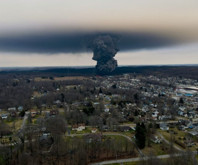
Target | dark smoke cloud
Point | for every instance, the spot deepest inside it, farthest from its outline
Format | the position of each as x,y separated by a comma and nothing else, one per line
104,49
75,43
103,45
44,43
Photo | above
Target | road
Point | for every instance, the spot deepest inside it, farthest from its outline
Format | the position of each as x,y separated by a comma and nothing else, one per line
115,134
142,156
24,120
129,138
167,142
134,159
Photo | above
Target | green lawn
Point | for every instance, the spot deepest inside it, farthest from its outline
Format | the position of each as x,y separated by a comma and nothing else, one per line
15,123
129,163
156,149
179,136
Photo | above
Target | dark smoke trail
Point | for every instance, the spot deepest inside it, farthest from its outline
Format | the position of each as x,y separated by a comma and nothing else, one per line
104,50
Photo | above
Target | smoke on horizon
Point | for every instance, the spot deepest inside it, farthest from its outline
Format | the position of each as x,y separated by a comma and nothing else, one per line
78,42
104,48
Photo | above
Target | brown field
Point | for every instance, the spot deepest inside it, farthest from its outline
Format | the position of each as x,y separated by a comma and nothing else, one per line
67,78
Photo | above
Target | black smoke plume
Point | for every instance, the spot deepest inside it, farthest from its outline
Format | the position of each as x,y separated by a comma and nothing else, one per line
103,44
104,48
65,42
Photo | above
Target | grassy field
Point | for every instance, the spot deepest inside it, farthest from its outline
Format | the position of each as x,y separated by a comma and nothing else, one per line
129,163
15,124
61,78
178,136
156,149
85,131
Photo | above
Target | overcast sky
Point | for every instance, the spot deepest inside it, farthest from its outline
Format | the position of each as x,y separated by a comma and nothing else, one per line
173,18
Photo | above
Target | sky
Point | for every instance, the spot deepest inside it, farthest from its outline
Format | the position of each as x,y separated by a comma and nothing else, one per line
38,33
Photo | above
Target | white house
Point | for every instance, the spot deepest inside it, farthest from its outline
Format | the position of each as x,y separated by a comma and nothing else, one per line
164,127
156,140
79,127
12,109
155,115
4,116
94,130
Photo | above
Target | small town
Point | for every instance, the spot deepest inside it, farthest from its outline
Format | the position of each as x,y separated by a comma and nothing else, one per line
98,82
115,117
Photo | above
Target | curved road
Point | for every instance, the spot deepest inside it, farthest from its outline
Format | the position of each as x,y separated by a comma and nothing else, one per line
115,134
134,159
167,142
143,157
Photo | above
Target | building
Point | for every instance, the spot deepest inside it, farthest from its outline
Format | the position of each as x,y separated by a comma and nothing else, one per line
164,127
79,127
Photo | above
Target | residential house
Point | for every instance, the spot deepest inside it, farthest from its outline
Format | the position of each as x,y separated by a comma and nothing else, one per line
20,108
4,116
156,139
12,109
33,113
94,130
155,115
13,114
54,112
124,128
79,127
164,127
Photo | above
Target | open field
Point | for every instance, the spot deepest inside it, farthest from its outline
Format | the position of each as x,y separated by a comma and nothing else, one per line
156,149
180,137
129,163
69,78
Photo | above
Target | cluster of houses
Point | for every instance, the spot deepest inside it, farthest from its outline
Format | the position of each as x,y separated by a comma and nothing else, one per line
10,112
149,88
